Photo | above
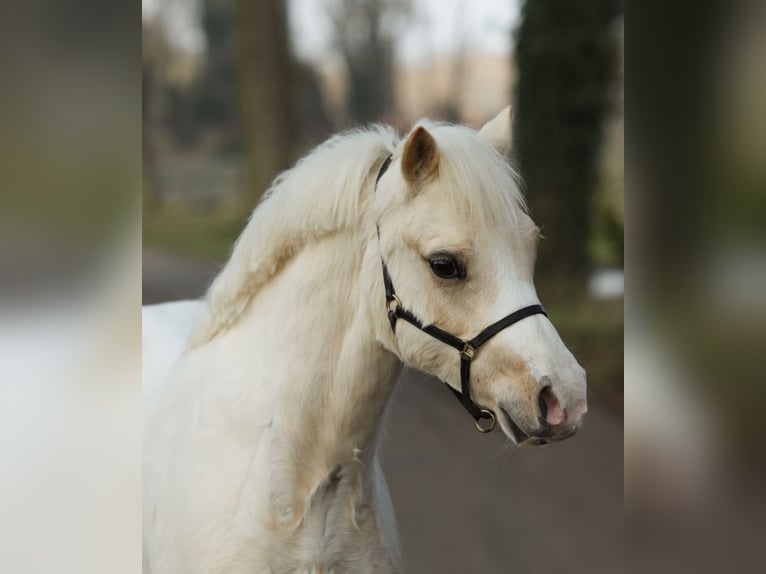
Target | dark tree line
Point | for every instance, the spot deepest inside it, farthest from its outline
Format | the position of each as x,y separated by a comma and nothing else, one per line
252,94
566,55
264,104
365,44
265,89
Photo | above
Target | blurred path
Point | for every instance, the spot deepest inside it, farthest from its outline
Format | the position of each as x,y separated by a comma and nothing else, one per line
465,503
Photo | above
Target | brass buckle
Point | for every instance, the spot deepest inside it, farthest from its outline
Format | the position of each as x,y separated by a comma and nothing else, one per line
486,415
468,350
392,304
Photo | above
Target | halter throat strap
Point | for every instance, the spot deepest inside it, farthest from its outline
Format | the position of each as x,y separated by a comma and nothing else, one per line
466,348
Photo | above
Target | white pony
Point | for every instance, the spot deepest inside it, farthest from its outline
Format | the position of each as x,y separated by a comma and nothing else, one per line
263,404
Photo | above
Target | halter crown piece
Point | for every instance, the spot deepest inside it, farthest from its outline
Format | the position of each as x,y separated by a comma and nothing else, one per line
466,348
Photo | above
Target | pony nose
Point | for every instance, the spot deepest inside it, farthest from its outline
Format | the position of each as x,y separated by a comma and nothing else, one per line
550,407
558,420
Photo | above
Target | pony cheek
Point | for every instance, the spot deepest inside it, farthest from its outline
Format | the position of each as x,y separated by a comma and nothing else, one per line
431,357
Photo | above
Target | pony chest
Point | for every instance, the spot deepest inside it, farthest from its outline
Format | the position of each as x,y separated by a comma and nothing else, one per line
335,530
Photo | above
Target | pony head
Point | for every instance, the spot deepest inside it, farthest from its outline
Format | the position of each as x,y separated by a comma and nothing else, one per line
460,249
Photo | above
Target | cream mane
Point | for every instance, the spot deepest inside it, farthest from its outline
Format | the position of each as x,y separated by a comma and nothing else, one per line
328,191
321,194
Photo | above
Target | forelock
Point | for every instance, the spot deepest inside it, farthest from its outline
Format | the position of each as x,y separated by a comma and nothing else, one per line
476,177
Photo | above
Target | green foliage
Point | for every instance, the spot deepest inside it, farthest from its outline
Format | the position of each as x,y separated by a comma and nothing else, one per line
607,240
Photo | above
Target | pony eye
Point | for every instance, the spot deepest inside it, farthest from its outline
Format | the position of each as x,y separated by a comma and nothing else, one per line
446,266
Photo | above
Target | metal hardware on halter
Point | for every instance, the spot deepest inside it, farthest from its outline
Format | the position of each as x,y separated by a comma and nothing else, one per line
467,349
393,303
485,414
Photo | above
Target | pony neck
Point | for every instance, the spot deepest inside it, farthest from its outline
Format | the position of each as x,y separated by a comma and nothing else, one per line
324,333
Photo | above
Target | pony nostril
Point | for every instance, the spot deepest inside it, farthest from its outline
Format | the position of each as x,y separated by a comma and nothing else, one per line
550,407
541,404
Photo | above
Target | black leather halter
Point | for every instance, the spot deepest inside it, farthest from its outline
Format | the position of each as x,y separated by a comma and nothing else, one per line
466,348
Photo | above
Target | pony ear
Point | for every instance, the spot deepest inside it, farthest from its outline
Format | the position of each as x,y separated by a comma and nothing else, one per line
497,131
421,156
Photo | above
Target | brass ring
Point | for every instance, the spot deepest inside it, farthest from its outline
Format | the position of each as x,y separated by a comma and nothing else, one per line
393,303
492,421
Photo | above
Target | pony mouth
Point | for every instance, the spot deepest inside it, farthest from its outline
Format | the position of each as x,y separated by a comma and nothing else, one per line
517,435
522,438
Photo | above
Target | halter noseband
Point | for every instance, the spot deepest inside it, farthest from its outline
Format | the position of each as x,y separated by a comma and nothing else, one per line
466,348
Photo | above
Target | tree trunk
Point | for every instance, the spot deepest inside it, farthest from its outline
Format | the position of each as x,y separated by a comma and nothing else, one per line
367,50
263,62
566,60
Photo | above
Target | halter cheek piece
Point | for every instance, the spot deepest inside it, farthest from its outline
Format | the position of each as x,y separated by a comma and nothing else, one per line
466,348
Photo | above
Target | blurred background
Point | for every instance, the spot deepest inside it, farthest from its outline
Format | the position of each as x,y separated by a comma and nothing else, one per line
89,128
235,91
